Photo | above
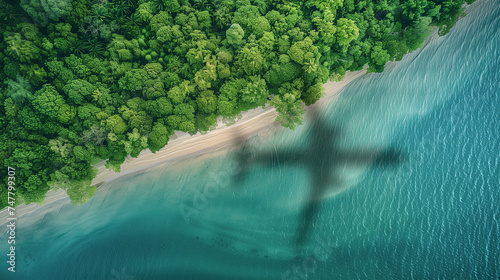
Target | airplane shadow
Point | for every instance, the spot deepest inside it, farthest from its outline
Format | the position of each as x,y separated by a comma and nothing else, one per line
324,160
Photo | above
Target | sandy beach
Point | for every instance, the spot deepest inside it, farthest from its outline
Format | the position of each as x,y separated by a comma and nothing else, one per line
386,167
182,145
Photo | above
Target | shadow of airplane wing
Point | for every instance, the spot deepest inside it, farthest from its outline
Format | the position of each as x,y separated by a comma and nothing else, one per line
375,157
247,157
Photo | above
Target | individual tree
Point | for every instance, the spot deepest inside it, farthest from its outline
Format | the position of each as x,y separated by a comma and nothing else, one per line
116,124
199,52
48,101
80,192
266,44
134,143
313,94
379,56
34,73
234,35
254,94
81,153
207,102
29,119
158,137
251,59
225,107
396,48
171,36
170,6
62,37
19,90
204,77
159,20
10,108
87,114
66,113
76,65
325,25
179,93
153,88
142,121
78,91
43,11
144,12
35,190
260,25
133,80
185,109
158,108
303,51
121,49
246,15
205,122
290,110
59,73
347,31
204,20
30,32
21,49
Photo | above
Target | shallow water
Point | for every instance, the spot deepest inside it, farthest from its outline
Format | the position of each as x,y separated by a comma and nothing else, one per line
434,215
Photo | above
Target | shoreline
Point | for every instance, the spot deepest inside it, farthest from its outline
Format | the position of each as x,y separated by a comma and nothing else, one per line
183,145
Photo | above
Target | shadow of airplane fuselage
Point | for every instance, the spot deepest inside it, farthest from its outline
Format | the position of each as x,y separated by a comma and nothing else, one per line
323,159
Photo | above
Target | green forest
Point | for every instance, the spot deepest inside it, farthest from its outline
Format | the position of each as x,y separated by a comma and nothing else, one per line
85,81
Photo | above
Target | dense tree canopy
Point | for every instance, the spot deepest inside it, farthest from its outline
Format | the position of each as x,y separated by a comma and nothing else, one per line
92,80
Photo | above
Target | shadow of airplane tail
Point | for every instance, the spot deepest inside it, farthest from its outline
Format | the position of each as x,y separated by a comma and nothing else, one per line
305,223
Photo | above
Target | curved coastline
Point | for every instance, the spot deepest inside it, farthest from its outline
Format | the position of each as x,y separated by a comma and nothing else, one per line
183,145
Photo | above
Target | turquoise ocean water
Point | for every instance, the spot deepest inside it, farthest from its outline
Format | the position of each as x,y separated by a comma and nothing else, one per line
433,216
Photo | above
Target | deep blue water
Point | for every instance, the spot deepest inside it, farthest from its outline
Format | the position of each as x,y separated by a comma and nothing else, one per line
433,216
